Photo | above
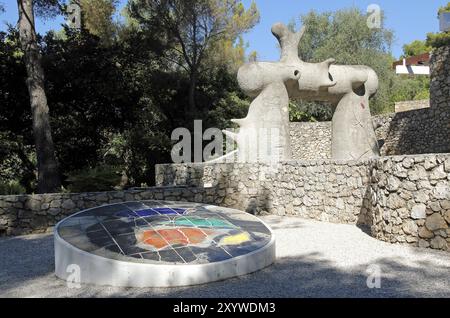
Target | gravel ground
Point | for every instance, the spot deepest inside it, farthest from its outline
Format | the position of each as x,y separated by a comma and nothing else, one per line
314,260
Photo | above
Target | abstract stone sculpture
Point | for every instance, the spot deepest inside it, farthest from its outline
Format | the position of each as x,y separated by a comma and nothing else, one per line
347,88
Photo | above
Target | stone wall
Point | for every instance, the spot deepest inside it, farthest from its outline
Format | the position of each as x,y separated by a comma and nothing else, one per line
411,105
310,141
410,201
323,190
404,199
440,77
27,214
415,132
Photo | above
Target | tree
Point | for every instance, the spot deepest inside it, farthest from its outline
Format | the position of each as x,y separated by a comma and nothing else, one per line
437,40
406,88
48,175
344,36
109,103
192,30
444,9
414,48
17,155
97,18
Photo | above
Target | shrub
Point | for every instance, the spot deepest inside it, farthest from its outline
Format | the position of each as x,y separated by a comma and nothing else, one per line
98,179
437,40
11,188
444,9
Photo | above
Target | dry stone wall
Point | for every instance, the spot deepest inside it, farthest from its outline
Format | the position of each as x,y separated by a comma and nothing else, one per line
311,141
414,132
403,199
410,200
31,214
323,190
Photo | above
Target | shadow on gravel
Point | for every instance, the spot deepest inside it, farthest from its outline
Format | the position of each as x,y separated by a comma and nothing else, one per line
23,259
312,276
26,270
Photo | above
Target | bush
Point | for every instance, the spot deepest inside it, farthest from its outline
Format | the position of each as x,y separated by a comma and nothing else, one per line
11,188
437,40
406,88
300,111
444,9
99,179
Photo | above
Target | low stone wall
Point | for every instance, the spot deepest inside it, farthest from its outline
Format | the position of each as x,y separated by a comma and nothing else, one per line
31,214
323,190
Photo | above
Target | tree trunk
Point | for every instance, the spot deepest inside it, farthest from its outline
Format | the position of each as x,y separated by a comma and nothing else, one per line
192,89
48,175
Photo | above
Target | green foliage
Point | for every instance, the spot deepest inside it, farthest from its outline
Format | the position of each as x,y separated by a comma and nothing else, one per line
232,105
405,88
437,40
89,95
98,179
17,157
212,24
97,18
196,35
344,35
444,9
414,48
309,112
48,8
110,105
11,188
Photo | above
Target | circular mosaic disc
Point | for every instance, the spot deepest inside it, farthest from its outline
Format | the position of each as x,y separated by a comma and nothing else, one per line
160,244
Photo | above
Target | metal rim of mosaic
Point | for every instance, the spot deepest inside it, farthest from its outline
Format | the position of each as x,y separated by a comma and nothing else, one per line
76,265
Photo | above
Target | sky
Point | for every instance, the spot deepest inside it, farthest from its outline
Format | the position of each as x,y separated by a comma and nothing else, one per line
409,19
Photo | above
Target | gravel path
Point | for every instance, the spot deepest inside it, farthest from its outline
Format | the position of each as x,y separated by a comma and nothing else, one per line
314,260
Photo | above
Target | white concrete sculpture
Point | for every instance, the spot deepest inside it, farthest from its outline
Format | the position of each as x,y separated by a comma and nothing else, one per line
348,88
